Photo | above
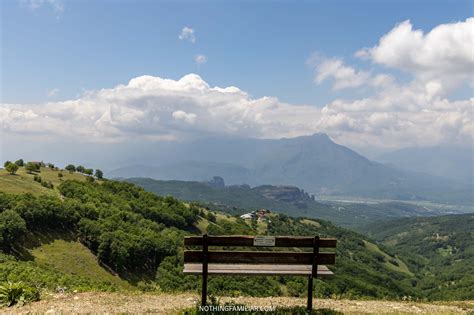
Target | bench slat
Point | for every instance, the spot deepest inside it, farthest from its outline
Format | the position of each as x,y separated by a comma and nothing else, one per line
280,241
249,257
256,269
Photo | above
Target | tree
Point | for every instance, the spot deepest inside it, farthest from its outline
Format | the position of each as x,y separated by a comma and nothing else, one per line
32,167
99,174
12,168
20,162
80,169
89,171
12,226
71,168
6,163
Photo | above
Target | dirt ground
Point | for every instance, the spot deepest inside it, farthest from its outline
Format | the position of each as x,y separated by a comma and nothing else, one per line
116,303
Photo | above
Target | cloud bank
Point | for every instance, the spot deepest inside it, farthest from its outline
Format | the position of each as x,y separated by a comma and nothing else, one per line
414,113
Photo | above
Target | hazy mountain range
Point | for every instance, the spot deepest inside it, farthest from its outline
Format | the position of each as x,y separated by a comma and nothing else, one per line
452,162
314,163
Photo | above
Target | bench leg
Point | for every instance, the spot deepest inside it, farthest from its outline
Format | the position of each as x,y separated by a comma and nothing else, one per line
310,294
204,270
204,290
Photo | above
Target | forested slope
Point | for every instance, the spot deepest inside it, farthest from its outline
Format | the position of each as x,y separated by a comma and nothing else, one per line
133,241
439,249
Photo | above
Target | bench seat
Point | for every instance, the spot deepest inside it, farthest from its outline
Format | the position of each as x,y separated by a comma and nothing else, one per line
257,269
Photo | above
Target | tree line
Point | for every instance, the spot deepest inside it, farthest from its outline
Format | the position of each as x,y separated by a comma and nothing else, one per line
31,167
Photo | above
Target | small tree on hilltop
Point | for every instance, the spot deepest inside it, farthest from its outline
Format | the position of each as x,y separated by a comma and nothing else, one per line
6,163
20,162
71,168
80,169
99,174
89,171
12,168
32,167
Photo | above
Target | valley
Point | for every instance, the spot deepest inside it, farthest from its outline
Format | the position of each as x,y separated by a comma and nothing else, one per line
238,199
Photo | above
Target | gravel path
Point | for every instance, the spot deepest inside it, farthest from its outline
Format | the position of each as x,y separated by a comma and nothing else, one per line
114,303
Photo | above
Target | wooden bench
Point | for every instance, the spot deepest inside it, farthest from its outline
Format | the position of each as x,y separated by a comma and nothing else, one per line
230,262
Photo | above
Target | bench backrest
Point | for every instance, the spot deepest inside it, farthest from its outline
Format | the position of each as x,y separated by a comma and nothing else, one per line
260,257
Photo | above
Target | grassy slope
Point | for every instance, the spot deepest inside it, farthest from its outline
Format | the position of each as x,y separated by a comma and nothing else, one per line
54,251
22,182
393,263
72,257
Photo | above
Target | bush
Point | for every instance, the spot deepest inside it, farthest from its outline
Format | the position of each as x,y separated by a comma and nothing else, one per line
32,167
20,162
48,184
12,168
13,293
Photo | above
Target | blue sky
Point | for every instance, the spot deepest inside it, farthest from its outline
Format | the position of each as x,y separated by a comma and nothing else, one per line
375,76
260,47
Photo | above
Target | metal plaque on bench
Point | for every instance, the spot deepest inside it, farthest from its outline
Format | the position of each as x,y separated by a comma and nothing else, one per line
264,240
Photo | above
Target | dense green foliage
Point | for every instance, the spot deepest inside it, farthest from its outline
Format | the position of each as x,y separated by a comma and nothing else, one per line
439,250
139,236
13,293
129,230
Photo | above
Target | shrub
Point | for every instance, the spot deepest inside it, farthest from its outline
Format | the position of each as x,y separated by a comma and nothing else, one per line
20,162
71,168
32,167
47,184
13,293
12,168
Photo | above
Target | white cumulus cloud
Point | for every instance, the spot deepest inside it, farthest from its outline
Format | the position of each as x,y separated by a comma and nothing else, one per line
334,69
446,51
155,108
187,33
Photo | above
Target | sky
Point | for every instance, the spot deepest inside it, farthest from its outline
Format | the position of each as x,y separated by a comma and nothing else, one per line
374,75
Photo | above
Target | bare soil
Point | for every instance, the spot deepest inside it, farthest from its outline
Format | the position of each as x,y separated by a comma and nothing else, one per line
118,303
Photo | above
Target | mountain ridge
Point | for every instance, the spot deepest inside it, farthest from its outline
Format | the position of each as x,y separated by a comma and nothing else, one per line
314,163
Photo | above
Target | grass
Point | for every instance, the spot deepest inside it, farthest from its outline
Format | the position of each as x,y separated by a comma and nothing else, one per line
202,225
71,257
311,222
402,267
22,182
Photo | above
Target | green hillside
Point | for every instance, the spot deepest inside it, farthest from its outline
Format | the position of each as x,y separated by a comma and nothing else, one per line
116,236
23,181
440,250
239,199
112,235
